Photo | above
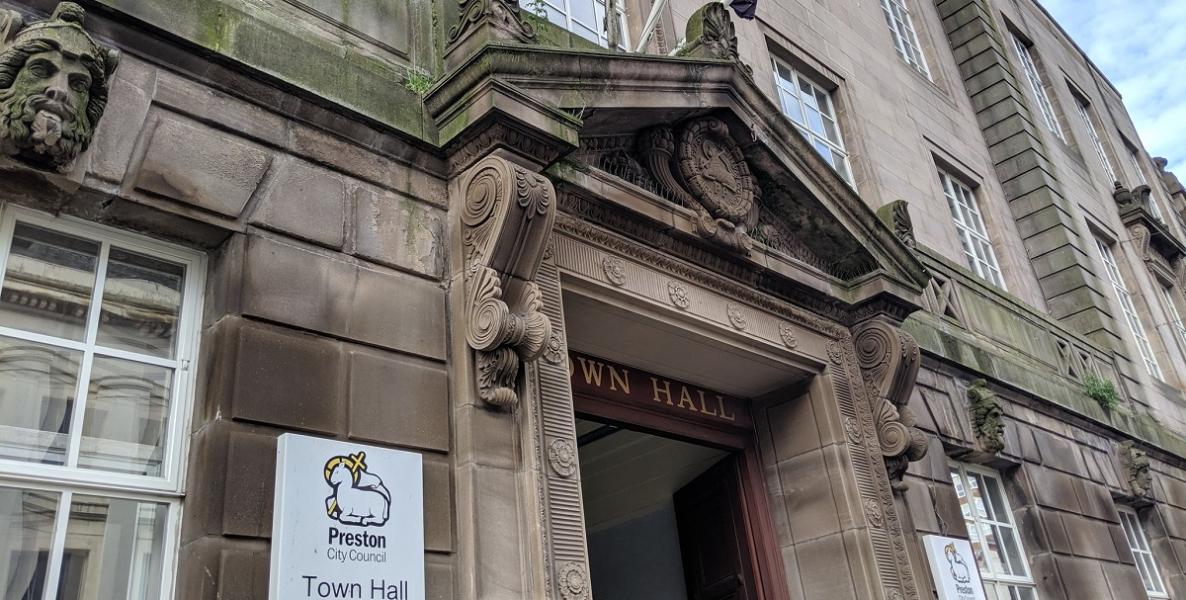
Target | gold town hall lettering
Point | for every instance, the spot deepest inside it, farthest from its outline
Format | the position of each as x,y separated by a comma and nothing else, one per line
613,382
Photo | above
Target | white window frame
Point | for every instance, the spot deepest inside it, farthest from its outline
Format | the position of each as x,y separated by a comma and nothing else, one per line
1131,316
1175,317
562,10
790,87
1038,87
970,227
1084,109
66,480
1145,562
901,25
1003,579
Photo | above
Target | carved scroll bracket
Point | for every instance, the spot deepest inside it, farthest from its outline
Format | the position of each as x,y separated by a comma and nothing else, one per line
506,220
889,359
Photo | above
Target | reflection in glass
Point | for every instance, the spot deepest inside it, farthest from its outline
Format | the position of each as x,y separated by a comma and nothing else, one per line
26,533
992,548
37,387
48,282
141,301
127,411
113,549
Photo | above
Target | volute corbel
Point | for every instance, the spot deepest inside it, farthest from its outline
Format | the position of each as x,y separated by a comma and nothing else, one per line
506,220
889,359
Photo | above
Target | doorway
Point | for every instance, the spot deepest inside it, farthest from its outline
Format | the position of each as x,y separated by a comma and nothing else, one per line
664,518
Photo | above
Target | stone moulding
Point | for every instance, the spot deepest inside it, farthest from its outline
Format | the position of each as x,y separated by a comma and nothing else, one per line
889,359
987,417
47,121
506,220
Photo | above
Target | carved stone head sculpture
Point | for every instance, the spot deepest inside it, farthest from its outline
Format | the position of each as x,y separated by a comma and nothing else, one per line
53,86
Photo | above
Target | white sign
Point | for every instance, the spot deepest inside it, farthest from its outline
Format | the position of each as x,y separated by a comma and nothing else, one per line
348,522
954,568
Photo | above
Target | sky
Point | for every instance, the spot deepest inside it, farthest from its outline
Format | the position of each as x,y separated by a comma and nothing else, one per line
1140,45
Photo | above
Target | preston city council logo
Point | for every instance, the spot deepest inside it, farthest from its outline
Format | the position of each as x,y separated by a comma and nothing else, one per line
959,568
359,496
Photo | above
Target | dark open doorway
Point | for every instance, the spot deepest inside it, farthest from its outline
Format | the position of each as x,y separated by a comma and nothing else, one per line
665,518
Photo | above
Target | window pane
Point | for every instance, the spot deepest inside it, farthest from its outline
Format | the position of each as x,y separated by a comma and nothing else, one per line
790,106
48,282
556,16
842,167
113,550
1011,551
582,12
993,490
37,388
127,411
26,534
1024,593
141,301
585,32
990,537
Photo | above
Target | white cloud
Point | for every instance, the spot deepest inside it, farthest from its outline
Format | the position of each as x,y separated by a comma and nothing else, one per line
1140,45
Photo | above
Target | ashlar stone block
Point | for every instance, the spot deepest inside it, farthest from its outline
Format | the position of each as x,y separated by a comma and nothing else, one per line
398,400
288,379
395,230
197,165
306,201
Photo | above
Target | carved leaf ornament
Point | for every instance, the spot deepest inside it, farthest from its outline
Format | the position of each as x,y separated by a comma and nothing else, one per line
889,359
506,220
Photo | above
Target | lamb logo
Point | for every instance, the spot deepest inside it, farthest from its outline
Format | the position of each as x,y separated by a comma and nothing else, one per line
959,568
359,496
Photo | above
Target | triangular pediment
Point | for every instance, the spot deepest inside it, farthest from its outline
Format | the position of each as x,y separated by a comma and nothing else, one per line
698,134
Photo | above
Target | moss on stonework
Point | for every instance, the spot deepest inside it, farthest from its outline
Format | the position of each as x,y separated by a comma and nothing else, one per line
265,40
937,337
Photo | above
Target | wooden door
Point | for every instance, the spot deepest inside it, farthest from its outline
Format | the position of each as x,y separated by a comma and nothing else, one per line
710,516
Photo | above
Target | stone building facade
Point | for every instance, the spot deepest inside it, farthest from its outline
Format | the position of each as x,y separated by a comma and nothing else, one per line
860,274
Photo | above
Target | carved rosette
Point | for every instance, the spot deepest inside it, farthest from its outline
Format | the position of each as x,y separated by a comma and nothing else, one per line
889,359
506,220
852,429
873,513
987,417
706,171
562,457
615,270
787,333
574,582
679,295
736,317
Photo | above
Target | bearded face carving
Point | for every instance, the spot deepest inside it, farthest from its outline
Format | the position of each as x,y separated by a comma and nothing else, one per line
53,87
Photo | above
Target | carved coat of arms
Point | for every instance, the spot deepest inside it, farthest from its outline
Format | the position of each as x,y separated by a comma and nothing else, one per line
707,171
